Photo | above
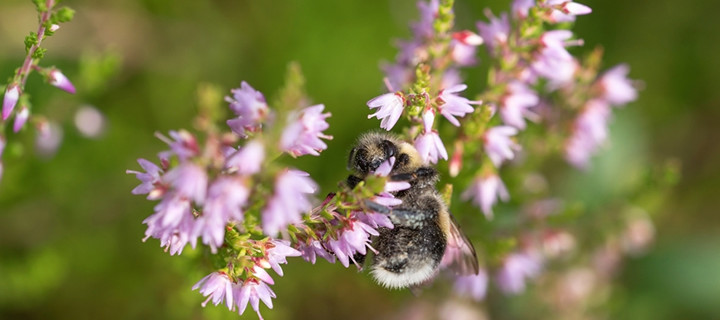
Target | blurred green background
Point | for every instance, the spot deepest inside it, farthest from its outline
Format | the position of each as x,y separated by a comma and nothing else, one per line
70,231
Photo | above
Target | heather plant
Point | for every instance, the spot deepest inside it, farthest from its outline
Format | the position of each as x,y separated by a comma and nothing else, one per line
15,101
230,184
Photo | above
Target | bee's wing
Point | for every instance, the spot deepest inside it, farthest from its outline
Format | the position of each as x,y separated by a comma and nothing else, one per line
460,256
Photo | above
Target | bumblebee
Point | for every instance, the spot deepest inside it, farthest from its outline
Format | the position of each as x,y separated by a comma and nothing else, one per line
425,232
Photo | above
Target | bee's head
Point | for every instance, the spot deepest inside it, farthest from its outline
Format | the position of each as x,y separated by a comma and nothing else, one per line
375,148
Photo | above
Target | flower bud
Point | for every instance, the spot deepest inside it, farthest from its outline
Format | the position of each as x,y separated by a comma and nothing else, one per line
60,81
12,94
21,118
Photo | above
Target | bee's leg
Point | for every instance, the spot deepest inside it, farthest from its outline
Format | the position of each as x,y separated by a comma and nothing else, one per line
412,218
419,173
352,181
360,259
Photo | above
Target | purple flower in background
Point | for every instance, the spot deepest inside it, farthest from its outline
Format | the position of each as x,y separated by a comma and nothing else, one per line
252,291
616,87
189,180
516,269
250,107
352,239
289,201
390,108
313,249
248,160
463,47
302,135
12,94
473,286
225,199
60,81
498,144
589,133
455,105
217,287
496,32
149,180
553,62
397,75
516,103
520,8
485,191
277,252
428,12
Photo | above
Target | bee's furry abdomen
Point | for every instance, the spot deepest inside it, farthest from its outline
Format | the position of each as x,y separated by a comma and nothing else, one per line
407,256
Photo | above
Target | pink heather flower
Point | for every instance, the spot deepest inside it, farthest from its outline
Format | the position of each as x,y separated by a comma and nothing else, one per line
12,95
617,88
496,32
277,253
313,250
589,133
385,198
430,147
218,287
390,108
498,144
21,118
516,268
428,144
302,135
516,103
260,273
252,291
189,180
225,199
520,8
428,13
352,239
485,190
54,27
59,80
473,286
182,144
149,180
172,223
248,160
250,107
289,201
455,105
565,11
374,220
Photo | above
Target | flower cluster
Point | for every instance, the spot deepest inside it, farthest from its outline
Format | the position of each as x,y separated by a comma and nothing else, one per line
534,78
15,101
207,190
